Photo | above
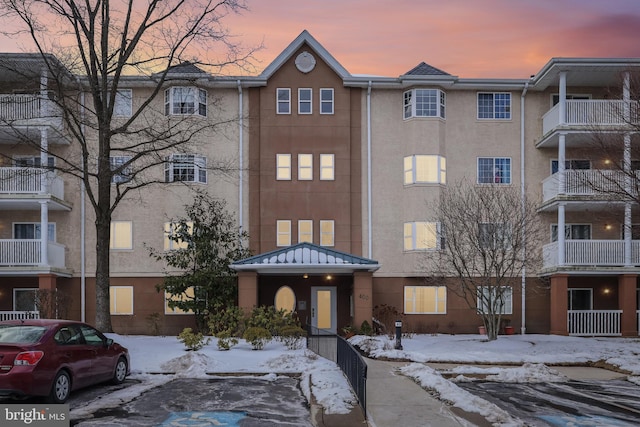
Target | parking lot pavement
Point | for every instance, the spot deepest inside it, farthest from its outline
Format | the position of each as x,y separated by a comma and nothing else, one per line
230,401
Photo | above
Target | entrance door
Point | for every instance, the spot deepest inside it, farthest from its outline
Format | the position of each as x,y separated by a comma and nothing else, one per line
323,308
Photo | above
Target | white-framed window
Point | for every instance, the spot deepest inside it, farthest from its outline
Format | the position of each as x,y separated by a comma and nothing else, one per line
32,161
424,103
121,173
492,235
305,100
31,230
24,299
121,299
327,232
305,167
305,230
123,105
500,298
283,233
121,236
495,106
185,168
185,101
494,170
572,232
326,100
170,244
283,100
425,169
422,235
571,165
327,167
283,167
425,300
189,294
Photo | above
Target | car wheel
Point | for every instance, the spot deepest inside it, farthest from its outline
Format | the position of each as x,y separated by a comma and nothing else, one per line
61,388
121,371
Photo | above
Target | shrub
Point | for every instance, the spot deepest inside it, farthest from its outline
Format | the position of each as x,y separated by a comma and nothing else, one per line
192,340
226,319
226,340
292,337
257,337
366,329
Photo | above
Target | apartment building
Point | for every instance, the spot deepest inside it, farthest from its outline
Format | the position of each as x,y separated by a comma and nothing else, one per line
338,177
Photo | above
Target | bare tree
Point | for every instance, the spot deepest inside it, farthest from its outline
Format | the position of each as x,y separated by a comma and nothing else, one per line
488,233
98,47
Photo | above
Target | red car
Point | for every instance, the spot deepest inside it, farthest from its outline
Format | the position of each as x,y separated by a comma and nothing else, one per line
51,358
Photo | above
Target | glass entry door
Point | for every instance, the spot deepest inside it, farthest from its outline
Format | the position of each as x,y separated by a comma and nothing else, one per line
323,308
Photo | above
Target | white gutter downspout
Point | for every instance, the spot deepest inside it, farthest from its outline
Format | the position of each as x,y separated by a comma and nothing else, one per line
523,207
241,158
83,273
369,227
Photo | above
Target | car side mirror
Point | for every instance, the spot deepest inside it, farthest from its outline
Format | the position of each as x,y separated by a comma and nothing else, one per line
109,342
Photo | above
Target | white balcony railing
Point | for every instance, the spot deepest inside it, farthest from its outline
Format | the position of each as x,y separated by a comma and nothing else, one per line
27,252
591,182
30,181
594,322
19,315
590,113
27,108
590,253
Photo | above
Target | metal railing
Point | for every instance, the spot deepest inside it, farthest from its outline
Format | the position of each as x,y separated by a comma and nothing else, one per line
592,112
19,315
26,252
591,252
24,180
337,349
594,322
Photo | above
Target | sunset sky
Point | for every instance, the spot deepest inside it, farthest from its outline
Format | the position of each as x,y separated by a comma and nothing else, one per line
466,38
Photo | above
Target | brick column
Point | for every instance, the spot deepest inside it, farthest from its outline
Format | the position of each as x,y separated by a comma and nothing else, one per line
627,303
47,282
362,297
559,304
247,290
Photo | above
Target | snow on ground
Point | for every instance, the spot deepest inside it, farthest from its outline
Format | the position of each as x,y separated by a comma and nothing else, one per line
156,360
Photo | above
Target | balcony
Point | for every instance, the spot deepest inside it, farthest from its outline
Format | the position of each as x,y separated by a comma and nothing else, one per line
30,181
29,110
591,114
590,253
599,184
28,252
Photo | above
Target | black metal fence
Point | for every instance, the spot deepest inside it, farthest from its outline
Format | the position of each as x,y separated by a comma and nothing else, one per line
337,349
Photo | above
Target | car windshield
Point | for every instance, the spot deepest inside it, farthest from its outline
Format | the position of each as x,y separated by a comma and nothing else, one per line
23,334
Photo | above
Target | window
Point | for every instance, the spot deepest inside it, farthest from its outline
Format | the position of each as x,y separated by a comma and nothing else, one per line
571,164
494,170
425,299
283,101
327,232
121,299
305,167
283,230
572,232
285,299
185,168
305,231
424,103
170,230
187,295
498,297
25,299
425,169
555,98
121,235
305,101
185,101
283,167
31,230
326,101
494,235
121,173
494,106
327,168
422,236
32,162
123,103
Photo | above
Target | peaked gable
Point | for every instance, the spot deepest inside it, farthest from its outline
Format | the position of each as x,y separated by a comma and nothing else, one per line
424,69
305,38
